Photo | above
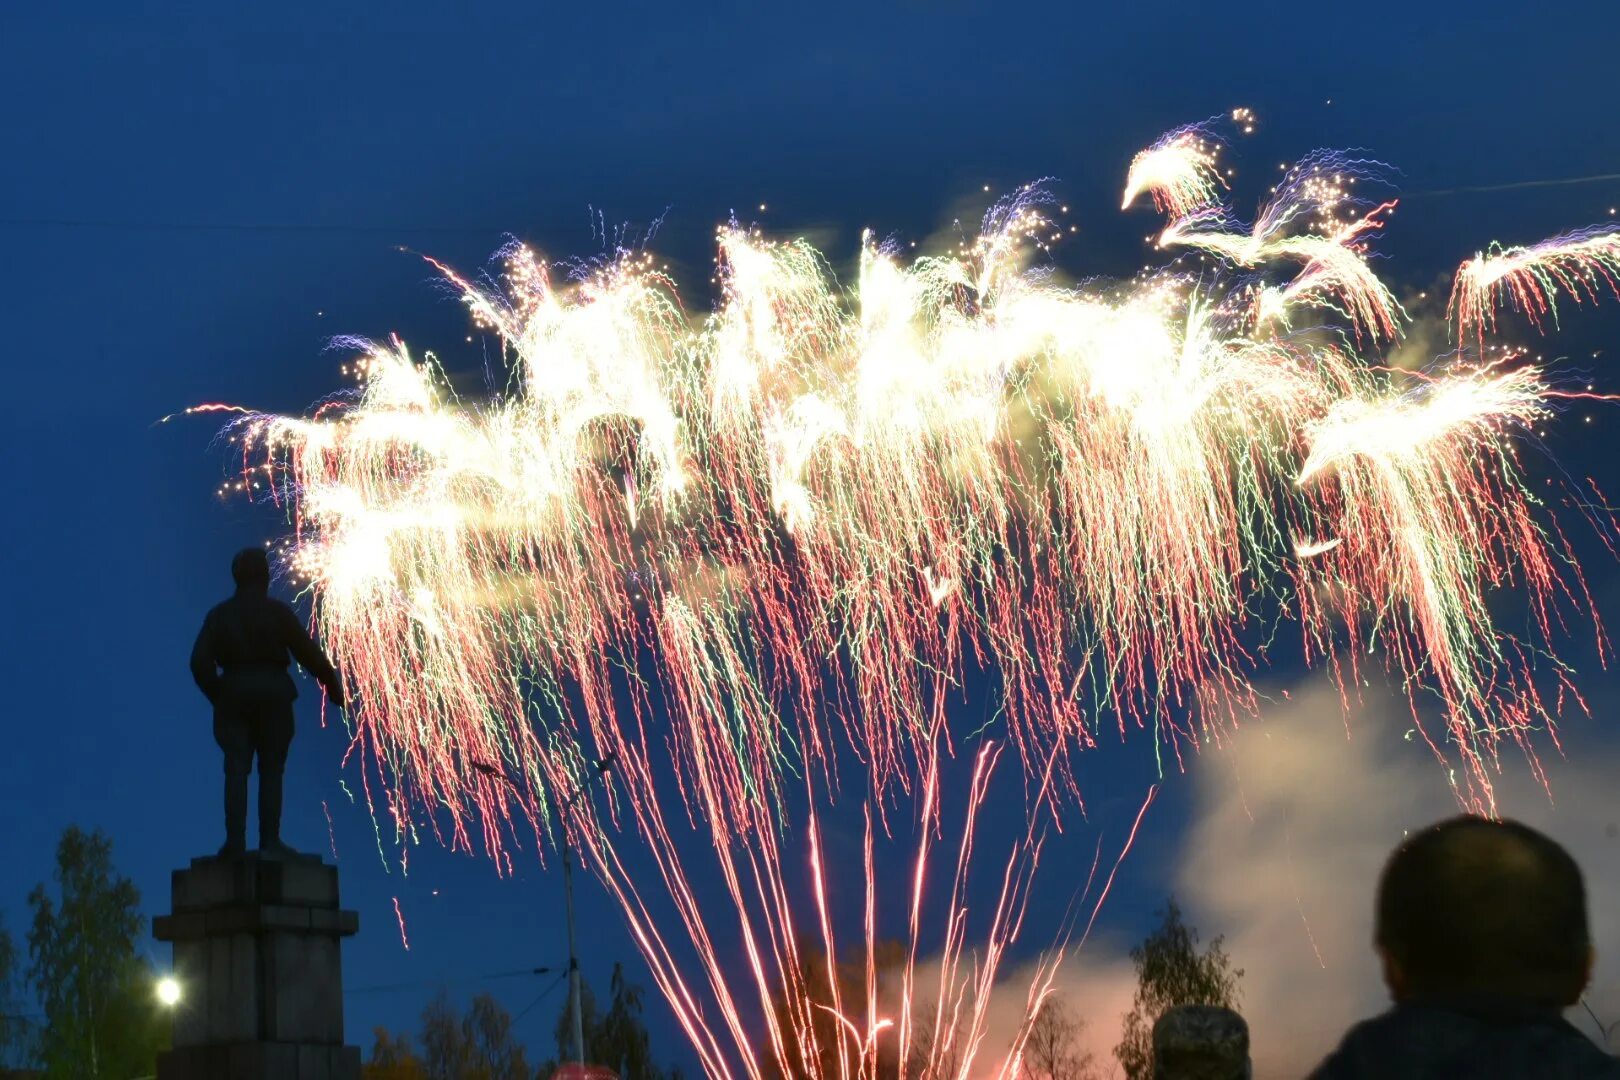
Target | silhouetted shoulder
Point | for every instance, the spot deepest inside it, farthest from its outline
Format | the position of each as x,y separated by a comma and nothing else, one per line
211,621
1421,1043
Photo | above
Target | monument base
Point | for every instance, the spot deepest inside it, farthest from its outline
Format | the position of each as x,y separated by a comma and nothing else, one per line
257,955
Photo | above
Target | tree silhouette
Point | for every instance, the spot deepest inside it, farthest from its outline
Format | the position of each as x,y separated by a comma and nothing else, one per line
1053,1050
102,1018
564,1030
480,1044
623,1035
474,1046
1170,971
834,999
392,1058
926,1063
616,1039
14,1031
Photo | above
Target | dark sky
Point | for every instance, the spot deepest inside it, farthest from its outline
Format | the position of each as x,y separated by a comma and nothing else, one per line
193,201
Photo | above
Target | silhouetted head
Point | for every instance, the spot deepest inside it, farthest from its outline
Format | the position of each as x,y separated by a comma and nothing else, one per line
250,569
1477,908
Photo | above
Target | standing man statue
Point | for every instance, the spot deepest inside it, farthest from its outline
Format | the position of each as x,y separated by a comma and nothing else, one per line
240,664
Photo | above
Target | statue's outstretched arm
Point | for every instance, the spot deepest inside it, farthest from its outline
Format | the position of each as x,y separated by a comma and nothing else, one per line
311,658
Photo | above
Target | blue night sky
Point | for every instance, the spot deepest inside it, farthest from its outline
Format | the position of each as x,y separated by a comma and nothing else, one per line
194,201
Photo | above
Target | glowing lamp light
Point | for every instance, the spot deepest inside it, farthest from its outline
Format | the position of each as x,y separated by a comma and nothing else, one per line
168,991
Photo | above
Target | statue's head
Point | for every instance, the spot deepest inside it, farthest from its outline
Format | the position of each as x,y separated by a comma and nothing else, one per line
250,569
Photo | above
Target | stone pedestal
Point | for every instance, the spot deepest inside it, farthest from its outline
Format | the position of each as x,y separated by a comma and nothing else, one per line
256,952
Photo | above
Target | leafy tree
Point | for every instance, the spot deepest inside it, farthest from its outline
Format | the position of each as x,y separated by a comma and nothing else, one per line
487,1029
617,1039
1171,971
392,1058
925,1063
480,1046
1053,1050
622,1035
477,1046
101,1016
564,1030
14,1031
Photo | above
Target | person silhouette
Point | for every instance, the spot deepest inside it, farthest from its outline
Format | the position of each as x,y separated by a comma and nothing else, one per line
240,664
1481,927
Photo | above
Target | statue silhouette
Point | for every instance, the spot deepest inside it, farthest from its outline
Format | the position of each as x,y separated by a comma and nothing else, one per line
240,663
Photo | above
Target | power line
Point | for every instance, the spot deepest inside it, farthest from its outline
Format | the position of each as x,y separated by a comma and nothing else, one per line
420,984
1515,185
543,995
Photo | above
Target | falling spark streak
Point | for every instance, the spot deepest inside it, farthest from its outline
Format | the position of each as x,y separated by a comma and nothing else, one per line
740,551
207,407
400,916
331,833
1123,851
1299,905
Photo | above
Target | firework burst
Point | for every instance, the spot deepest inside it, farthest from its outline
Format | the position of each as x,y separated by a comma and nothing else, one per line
735,550
1181,170
1582,265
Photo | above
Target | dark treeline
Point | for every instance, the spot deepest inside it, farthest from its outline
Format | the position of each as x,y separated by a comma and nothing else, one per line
78,1000
480,1044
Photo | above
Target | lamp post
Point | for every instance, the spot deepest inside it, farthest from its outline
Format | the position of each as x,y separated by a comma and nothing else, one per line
167,989
574,1006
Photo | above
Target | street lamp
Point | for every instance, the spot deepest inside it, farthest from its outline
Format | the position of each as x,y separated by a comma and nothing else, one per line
168,991
574,1007
598,770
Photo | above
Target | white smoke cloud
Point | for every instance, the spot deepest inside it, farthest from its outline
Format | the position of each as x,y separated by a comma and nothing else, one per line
1425,340
1294,818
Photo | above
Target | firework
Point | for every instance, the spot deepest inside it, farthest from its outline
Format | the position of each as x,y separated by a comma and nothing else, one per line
1581,264
1181,171
741,549
1313,218
1335,276
1428,473
1316,197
